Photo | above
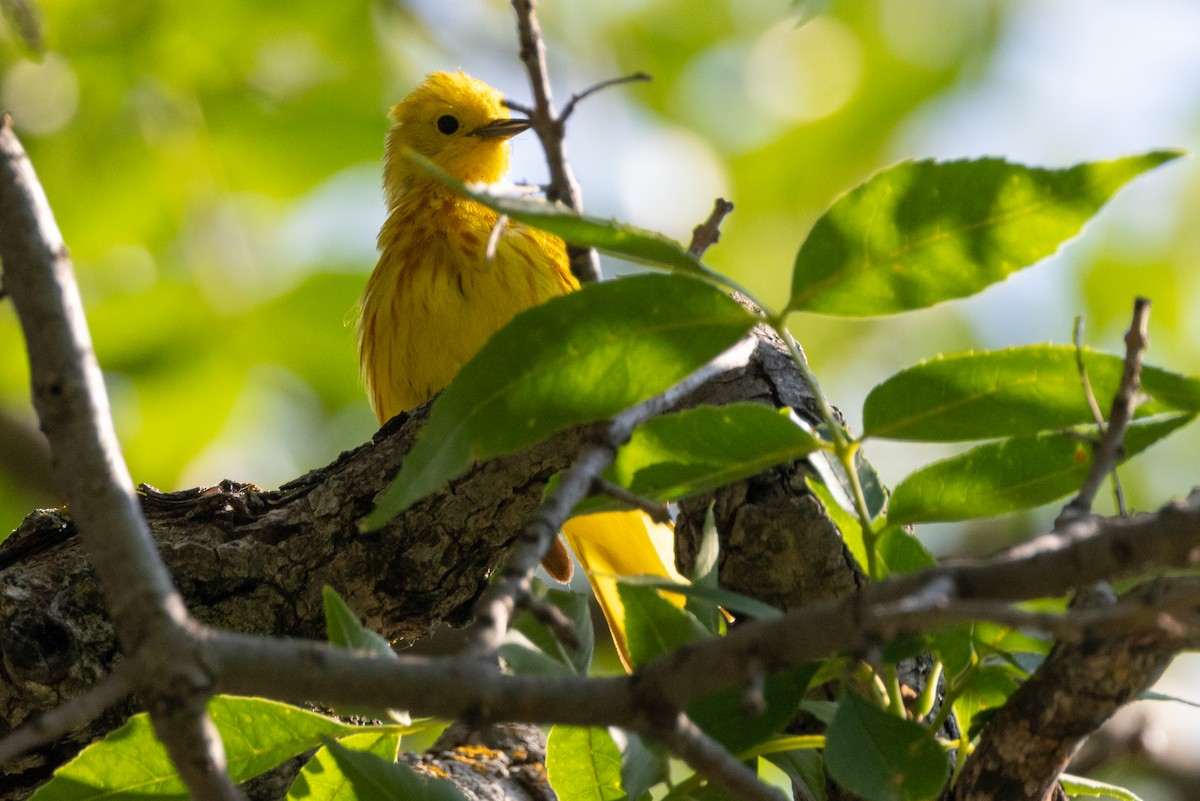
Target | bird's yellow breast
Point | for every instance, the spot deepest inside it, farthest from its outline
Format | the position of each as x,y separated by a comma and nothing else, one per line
434,297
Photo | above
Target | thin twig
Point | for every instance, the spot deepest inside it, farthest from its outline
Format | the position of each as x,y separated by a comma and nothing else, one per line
65,718
1111,446
554,619
494,609
1088,393
195,748
657,512
585,264
569,108
707,233
1094,406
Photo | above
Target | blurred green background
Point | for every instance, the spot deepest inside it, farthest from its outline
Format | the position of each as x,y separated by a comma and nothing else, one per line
214,168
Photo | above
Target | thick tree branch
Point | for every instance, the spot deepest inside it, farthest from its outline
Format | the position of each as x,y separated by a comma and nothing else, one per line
72,405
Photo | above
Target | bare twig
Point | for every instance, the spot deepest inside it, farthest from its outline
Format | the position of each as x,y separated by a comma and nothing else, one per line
571,104
1085,382
585,265
63,719
196,750
707,233
1108,452
1094,406
655,511
554,619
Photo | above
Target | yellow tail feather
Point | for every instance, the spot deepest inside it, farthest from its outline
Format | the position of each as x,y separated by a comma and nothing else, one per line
617,544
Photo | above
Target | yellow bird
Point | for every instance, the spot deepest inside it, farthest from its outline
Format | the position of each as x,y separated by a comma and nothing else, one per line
435,298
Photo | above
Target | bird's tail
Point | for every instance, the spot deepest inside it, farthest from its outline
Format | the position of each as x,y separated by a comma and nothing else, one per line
616,544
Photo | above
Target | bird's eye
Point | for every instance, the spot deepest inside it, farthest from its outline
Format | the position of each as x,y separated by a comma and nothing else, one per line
447,124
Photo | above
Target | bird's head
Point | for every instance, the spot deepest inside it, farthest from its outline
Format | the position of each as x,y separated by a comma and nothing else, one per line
456,122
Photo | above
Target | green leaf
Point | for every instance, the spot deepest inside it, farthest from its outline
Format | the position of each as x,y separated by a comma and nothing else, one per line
922,232
1010,475
653,625
845,519
804,766
706,573
901,552
721,717
609,236
376,779
700,449
985,688
882,757
322,779
1076,786
345,630
1010,393
643,765
733,601
575,607
583,764
1151,695
131,763
575,359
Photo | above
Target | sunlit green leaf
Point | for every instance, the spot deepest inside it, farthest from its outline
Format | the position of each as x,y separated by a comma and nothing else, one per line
882,757
258,735
575,359
1009,475
699,449
924,231
583,764
1010,393
1082,786
322,779
845,520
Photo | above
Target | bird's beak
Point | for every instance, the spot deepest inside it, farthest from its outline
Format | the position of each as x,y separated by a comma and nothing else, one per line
501,128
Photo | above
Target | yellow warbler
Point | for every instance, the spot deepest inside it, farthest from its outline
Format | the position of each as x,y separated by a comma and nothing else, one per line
434,297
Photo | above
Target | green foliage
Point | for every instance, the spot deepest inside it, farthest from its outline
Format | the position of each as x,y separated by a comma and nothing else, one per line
549,654
131,763
344,629
578,358
1083,787
1012,474
584,764
1010,393
923,232
881,757
322,777
678,455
